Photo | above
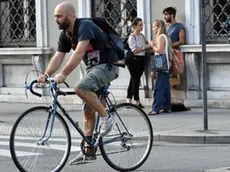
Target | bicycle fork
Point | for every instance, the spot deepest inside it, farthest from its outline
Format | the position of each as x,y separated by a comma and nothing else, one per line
48,125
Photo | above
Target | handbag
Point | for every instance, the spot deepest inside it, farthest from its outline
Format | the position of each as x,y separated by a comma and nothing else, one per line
160,61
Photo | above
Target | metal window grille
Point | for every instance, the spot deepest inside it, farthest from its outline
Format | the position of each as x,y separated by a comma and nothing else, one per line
17,23
216,13
118,13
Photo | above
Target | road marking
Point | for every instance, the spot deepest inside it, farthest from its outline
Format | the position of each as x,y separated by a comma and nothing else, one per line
5,128
37,138
34,145
6,152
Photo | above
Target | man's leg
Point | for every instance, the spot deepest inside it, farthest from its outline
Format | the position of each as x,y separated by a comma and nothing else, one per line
93,81
88,122
88,128
92,100
89,119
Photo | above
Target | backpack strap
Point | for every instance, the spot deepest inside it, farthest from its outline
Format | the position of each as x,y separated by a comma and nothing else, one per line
134,36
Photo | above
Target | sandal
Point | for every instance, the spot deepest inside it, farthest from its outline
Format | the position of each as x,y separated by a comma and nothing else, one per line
164,111
153,113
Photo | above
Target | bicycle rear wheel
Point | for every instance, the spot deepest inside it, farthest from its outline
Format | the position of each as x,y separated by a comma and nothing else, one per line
28,151
129,143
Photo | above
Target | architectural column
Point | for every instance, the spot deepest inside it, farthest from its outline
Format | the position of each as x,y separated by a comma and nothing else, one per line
1,75
84,9
192,21
145,15
192,28
40,61
41,23
192,72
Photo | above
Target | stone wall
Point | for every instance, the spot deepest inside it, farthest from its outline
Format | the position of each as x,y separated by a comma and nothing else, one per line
16,63
218,83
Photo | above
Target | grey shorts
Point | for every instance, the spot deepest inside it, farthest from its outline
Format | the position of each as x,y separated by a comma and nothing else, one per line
96,78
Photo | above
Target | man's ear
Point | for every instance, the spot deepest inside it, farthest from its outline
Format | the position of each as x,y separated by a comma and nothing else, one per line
72,14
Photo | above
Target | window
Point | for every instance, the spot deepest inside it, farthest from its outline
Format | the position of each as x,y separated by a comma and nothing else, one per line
217,12
17,23
117,13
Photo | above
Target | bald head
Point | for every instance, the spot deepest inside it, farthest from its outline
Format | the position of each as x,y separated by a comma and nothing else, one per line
66,8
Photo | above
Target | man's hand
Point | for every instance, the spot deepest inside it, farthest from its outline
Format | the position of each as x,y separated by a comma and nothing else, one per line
42,78
59,78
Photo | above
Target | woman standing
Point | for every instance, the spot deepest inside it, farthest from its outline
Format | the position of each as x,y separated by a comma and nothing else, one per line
138,44
162,95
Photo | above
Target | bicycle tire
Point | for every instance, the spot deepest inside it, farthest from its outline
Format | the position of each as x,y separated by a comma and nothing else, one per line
119,155
27,153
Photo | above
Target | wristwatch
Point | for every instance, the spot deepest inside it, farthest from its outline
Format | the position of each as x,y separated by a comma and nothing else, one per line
143,48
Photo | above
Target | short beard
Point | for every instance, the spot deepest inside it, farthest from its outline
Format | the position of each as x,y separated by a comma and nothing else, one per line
168,20
65,25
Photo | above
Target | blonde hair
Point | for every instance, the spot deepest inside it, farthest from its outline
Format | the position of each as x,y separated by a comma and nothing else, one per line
161,25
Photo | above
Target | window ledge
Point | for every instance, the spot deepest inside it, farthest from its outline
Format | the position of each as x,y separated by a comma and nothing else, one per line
209,48
26,51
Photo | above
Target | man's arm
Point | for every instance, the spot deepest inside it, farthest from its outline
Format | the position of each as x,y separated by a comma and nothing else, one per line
55,63
181,39
76,57
52,67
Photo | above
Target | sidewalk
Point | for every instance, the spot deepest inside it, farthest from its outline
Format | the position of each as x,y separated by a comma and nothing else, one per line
177,127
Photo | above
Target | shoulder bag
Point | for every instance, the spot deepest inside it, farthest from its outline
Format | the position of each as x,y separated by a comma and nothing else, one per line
160,62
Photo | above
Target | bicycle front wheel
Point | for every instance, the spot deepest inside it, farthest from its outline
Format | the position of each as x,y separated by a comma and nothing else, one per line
129,143
31,151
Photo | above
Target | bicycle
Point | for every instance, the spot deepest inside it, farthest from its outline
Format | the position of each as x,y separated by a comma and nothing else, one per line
44,128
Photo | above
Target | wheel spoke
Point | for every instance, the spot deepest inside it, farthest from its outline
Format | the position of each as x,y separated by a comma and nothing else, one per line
28,151
134,130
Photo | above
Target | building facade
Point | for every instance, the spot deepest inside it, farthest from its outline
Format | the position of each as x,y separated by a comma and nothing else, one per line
29,35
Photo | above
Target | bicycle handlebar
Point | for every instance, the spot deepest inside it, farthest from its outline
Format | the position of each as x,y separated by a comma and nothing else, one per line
30,87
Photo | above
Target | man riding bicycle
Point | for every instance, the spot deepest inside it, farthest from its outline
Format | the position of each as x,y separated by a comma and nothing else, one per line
89,44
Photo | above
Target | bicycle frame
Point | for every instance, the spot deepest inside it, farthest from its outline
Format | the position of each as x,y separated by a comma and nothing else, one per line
55,104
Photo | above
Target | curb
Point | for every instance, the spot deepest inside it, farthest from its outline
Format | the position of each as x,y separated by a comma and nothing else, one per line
192,139
224,169
186,139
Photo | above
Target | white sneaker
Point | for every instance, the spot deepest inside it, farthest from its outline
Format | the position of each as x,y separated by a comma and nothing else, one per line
81,159
106,126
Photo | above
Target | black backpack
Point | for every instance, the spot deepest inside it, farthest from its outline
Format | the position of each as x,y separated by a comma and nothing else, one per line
114,38
129,57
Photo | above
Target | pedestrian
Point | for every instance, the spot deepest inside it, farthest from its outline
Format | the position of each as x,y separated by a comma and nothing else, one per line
138,45
89,44
176,32
162,94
